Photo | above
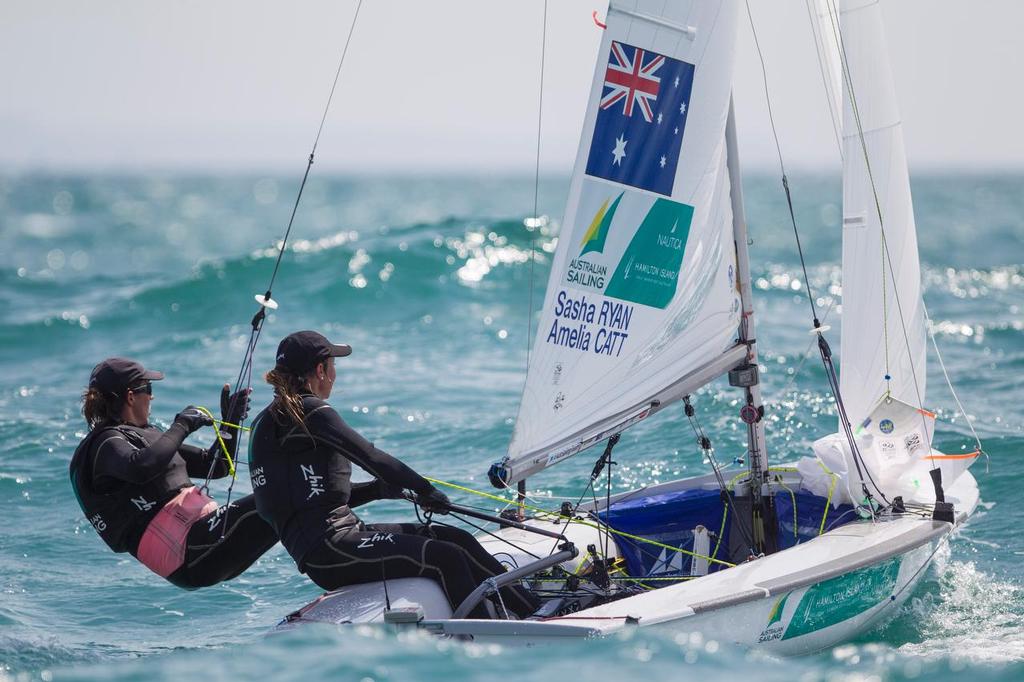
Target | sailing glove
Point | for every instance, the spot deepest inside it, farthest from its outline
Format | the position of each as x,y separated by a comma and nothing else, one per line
234,408
434,501
193,419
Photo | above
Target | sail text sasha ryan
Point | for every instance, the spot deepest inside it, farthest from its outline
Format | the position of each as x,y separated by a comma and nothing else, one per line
587,327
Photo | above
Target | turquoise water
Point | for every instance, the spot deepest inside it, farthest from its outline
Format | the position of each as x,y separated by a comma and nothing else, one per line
428,280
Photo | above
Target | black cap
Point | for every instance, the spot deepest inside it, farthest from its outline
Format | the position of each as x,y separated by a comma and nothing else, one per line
117,375
300,352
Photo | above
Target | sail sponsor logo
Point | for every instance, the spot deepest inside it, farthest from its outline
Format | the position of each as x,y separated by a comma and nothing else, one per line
583,272
648,271
585,326
586,274
631,248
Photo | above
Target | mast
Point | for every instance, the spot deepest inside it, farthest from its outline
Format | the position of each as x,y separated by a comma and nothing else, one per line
746,377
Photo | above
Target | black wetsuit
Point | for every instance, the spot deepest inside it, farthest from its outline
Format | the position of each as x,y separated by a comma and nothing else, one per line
123,475
302,482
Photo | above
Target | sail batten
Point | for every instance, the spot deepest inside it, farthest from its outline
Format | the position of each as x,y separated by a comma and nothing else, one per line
642,295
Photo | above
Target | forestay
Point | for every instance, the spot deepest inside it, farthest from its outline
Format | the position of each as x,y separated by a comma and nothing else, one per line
883,328
642,305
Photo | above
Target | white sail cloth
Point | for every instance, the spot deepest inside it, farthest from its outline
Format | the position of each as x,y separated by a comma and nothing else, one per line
825,28
883,327
642,304
883,344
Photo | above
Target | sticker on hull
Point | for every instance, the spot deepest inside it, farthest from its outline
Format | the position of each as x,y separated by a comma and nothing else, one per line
842,598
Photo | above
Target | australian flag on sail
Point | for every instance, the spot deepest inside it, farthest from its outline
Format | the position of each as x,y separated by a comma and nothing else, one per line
640,118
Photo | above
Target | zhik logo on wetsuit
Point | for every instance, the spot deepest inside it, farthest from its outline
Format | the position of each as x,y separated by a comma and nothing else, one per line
369,542
316,484
215,519
142,503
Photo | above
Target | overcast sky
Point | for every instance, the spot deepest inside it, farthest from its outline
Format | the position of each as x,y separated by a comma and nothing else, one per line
446,84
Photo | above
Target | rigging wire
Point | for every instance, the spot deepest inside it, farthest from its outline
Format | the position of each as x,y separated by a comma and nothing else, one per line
266,301
535,223
705,444
819,47
942,364
553,514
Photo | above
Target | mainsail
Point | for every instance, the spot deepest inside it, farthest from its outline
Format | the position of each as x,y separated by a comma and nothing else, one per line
883,329
642,304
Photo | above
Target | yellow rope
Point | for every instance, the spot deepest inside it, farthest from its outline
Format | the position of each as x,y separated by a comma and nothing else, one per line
828,502
671,577
721,531
220,422
581,522
223,445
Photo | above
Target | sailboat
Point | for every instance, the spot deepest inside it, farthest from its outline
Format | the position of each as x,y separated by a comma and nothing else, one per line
649,299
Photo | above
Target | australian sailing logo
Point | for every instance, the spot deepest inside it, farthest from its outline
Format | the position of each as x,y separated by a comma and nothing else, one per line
586,272
775,627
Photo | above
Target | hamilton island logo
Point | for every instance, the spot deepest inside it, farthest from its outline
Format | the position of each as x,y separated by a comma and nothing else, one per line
886,426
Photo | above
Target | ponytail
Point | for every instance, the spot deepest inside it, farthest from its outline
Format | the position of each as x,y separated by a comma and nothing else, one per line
288,390
99,407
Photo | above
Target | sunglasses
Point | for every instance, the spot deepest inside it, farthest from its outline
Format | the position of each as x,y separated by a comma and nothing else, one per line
146,388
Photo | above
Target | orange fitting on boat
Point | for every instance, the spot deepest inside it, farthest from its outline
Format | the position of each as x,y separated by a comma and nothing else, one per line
969,455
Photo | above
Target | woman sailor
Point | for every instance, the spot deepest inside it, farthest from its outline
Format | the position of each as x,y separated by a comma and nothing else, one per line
300,459
132,481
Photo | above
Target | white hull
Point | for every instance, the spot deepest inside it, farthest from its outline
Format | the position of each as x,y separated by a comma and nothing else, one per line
811,596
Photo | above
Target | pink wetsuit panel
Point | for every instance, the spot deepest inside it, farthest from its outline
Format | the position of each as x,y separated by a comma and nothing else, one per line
162,548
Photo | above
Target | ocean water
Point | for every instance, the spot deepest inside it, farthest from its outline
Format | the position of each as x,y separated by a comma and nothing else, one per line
429,280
